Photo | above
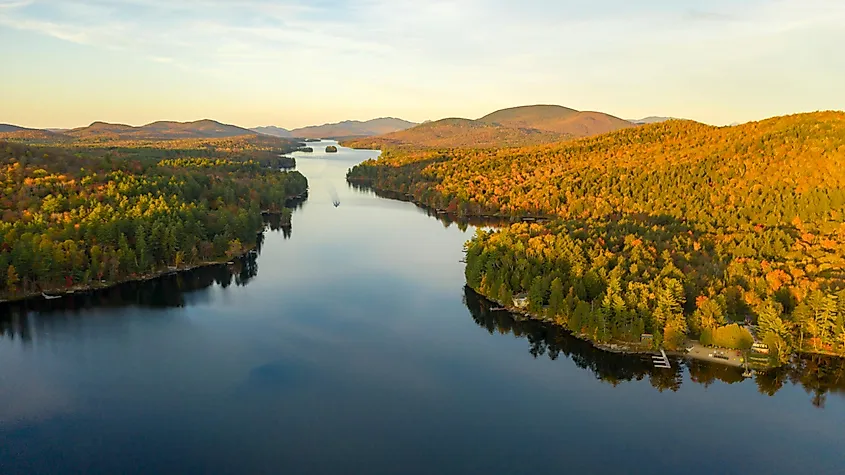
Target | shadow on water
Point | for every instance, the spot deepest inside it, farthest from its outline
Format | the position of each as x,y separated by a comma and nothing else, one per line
819,376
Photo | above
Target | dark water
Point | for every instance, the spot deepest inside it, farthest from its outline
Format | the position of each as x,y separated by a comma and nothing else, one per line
350,345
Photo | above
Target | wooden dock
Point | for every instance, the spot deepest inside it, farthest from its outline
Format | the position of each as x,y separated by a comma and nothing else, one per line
661,361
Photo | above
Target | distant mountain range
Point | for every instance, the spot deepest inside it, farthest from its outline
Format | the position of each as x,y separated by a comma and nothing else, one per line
340,130
527,125
8,131
272,130
517,126
353,128
651,120
162,130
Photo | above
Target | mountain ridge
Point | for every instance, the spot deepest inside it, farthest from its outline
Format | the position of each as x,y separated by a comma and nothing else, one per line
273,131
353,128
160,130
515,126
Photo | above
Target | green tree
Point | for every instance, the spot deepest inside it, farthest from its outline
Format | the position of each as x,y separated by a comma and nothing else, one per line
12,278
556,297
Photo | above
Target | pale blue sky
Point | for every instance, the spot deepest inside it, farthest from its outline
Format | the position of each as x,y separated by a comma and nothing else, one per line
295,62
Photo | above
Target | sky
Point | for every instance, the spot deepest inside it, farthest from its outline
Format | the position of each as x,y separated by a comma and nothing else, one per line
292,63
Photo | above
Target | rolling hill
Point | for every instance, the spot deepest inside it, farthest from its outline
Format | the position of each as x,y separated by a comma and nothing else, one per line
14,132
273,130
5,128
162,130
517,126
462,133
353,128
558,119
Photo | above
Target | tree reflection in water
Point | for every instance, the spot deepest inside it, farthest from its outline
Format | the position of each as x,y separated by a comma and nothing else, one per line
818,375
27,319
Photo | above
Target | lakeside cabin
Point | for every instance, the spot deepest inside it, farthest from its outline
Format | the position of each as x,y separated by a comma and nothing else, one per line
520,301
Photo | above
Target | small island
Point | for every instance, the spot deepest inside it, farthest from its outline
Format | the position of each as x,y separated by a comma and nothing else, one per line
331,149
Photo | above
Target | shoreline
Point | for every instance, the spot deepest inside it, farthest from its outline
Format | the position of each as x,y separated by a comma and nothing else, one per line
57,293
619,347
698,352
409,198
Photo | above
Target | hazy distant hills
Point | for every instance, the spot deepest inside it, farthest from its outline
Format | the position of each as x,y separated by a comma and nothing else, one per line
558,119
353,128
273,130
5,128
8,131
162,130
651,120
103,131
517,126
447,133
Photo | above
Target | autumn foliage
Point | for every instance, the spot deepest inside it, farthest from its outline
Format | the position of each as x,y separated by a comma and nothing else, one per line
645,223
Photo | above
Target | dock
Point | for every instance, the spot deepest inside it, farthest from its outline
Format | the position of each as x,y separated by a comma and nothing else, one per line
661,361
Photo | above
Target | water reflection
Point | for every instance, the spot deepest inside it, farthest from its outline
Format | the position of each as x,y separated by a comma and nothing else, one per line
447,219
26,319
819,376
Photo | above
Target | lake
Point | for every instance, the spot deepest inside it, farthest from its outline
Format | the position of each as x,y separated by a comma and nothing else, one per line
350,345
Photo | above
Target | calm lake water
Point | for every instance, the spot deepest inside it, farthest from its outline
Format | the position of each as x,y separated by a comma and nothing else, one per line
350,345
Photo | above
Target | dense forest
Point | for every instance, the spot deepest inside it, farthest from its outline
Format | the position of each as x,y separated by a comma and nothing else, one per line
461,133
73,217
676,229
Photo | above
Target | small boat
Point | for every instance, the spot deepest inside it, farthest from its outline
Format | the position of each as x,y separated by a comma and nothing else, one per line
336,203
50,297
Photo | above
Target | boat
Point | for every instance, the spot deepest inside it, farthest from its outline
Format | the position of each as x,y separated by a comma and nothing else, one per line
336,203
50,297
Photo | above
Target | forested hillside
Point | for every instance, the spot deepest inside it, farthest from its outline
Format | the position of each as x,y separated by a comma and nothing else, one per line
162,130
514,127
561,120
463,133
675,228
73,217
353,128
